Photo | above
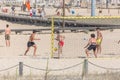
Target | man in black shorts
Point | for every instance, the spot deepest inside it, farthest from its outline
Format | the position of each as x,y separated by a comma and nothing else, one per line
31,43
91,45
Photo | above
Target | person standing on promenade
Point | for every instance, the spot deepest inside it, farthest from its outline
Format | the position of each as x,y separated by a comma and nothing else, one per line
7,35
92,44
31,43
42,13
99,40
31,14
13,10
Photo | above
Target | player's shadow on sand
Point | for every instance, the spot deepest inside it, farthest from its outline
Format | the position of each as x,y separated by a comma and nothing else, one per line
81,57
112,54
2,46
31,56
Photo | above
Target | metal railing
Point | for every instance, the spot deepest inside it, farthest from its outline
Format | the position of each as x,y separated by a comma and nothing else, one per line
85,68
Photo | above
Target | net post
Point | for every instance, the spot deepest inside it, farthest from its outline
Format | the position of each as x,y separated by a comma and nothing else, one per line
52,37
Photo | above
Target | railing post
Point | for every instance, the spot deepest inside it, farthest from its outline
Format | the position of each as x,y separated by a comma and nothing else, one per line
20,68
46,74
85,68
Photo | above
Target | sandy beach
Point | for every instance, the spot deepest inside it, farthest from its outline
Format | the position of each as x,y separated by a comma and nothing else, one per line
73,48
73,51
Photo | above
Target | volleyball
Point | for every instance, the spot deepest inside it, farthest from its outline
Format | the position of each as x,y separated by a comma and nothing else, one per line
55,49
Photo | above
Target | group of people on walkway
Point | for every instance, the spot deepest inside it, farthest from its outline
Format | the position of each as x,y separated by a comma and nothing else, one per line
41,12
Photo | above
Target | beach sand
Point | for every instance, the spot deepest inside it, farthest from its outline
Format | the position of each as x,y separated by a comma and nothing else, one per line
73,48
73,51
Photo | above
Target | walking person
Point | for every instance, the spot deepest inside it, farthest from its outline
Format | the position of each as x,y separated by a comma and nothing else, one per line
99,40
31,14
13,10
92,44
42,13
7,35
33,11
31,43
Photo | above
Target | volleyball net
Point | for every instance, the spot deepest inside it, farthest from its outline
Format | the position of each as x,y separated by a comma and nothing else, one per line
76,34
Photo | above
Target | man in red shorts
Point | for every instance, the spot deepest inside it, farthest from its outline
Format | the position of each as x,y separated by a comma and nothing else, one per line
60,39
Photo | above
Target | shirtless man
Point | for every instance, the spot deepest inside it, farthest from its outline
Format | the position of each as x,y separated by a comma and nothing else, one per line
60,39
7,35
31,43
99,40
91,45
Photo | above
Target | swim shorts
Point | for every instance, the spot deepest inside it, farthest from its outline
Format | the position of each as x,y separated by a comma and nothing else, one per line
61,43
92,47
7,37
29,44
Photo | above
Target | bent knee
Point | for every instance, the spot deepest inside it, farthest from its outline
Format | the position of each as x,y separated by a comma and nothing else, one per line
86,50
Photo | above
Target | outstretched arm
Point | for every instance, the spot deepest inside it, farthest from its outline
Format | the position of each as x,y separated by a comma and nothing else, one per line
88,43
36,39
